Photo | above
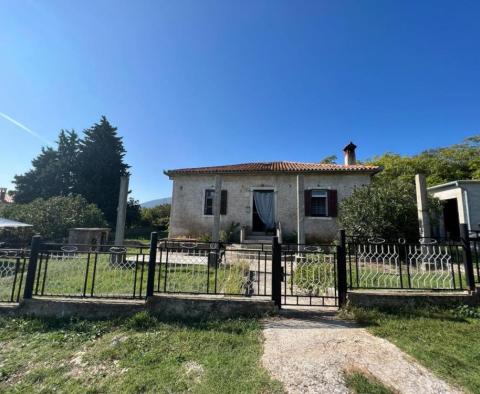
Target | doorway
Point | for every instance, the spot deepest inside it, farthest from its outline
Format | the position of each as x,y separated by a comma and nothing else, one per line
263,214
450,217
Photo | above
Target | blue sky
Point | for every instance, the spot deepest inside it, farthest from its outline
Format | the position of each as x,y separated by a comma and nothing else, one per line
193,83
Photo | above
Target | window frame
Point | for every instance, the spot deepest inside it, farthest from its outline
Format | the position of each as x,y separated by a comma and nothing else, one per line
223,201
325,197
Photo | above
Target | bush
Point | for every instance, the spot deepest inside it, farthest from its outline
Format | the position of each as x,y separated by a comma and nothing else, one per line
384,209
53,217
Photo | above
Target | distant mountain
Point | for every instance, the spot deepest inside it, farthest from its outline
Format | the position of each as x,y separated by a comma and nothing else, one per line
154,203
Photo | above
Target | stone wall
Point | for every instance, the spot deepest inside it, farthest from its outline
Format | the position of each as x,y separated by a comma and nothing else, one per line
168,306
187,218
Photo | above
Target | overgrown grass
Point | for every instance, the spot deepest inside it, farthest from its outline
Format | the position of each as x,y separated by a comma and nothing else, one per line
359,383
445,340
135,355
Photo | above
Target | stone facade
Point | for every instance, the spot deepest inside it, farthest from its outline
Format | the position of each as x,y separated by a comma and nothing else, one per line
188,219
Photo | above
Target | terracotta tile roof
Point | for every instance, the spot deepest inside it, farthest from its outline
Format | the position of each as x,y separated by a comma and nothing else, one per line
274,167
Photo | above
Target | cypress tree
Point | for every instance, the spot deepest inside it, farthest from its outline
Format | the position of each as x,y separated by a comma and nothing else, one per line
100,166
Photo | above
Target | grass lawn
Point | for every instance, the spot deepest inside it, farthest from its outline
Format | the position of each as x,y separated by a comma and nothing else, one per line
359,383
445,340
135,355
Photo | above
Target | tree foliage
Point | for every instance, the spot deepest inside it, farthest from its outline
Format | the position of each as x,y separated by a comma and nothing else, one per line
440,165
157,217
100,166
53,217
384,209
53,172
91,167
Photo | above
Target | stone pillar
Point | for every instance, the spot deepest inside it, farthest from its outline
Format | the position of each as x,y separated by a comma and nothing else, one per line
300,209
422,206
216,209
121,211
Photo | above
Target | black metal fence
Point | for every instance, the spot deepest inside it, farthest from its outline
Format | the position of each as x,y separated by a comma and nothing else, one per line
430,264
107,271
290,274
13,263
213,268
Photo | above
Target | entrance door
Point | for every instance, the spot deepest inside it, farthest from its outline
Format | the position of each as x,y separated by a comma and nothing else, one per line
450,215
263,216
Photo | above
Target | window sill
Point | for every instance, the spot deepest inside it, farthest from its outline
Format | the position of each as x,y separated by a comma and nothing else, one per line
319,217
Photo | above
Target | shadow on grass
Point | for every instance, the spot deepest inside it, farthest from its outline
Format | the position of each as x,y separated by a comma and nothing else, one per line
140,322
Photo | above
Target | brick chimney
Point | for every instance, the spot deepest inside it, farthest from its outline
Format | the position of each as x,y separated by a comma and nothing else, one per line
3,194
349,154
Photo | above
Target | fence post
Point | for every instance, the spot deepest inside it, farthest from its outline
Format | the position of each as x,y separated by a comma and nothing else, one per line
276,273
151,263
342,270
467,257
32,267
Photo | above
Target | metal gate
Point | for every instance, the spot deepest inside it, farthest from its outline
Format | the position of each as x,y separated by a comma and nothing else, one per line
309,275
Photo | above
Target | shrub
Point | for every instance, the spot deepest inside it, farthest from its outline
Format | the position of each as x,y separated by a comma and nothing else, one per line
53,217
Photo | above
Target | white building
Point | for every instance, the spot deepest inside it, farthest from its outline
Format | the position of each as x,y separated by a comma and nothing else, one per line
461,205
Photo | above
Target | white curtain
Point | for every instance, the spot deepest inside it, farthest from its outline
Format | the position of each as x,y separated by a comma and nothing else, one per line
264,204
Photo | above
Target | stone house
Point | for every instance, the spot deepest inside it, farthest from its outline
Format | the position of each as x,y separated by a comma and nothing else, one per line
461,205
263,198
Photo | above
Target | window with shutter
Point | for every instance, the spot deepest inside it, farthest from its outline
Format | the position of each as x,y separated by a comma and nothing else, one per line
208,205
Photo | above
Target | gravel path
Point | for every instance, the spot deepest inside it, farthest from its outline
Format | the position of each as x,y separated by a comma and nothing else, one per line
309,354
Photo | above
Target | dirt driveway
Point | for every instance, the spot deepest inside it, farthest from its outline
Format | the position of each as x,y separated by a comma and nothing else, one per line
309,353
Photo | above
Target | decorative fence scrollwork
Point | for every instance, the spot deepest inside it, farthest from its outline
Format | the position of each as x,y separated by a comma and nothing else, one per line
428,265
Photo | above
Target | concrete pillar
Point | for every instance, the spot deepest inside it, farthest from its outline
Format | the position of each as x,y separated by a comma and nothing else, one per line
121,211
300,209
216,209
422,206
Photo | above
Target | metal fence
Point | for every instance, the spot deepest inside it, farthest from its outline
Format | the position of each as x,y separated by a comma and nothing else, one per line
309,275
82,271
475,252
13,263
428,265
212,268
290,274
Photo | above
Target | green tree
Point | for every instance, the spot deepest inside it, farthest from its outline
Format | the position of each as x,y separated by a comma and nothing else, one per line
100,166
52,173
134,214
332,159
156,217
40,181
384,209
440,165
53,217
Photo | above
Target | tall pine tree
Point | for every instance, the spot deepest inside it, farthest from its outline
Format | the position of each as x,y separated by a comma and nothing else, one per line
53,172
100,166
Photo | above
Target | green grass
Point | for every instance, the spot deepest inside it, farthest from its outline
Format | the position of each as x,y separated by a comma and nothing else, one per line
445,340
135,355
359,383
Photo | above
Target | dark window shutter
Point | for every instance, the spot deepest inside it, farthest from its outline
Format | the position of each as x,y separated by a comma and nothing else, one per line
223,203
332,203
205,203
308,202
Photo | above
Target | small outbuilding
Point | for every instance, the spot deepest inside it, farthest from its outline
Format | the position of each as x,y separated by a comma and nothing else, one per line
461,205
88,237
